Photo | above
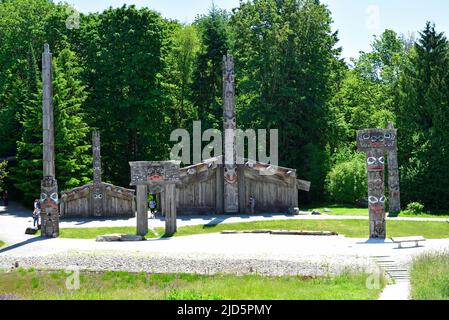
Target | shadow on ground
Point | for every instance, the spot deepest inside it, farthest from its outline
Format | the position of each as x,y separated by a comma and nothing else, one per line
21,244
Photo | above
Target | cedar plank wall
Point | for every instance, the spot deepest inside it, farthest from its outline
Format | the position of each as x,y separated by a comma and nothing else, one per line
200,193
77,203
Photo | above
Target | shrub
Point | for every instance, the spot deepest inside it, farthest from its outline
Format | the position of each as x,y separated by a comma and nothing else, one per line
415,208
3,174
347,181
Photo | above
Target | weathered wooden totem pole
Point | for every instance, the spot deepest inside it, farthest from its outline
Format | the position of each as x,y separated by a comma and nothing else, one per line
231,188
375,142
394,199
98,194
155,177
49,187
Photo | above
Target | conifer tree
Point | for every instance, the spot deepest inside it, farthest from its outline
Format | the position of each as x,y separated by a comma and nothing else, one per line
28,173
71,132
206,88
423,121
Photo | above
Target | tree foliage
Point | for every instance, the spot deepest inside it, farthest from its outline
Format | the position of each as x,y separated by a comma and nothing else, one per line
423,120
285,51
137,76
124,64
73,159
3,174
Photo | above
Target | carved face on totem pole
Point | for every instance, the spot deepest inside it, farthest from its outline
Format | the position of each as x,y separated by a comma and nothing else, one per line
377,205
49,194
376,139
230,174
376,163
98,195
156,174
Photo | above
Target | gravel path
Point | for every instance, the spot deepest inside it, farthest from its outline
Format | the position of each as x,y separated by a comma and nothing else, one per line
206,265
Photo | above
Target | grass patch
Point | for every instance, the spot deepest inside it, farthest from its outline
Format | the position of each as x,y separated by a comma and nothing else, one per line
349,228
1,243
430,276
337,209
92,233
430,214
351,210
37,285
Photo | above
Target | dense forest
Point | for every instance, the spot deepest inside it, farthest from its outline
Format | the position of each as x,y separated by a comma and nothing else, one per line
136,76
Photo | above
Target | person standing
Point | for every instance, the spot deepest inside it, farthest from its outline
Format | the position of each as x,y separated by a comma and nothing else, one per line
36,213
153,207
5,198
252,203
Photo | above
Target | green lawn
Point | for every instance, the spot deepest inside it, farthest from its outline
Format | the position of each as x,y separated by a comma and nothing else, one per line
1,243
38,285
349,228
351,210
337,209
435,214
91,233
430,277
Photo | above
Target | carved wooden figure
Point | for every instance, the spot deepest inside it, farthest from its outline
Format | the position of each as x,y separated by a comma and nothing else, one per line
231,186
375,142
49,186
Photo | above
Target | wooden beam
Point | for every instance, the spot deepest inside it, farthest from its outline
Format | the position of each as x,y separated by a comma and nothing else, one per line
303,185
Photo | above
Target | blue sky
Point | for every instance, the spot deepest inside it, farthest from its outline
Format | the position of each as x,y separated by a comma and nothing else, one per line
356,20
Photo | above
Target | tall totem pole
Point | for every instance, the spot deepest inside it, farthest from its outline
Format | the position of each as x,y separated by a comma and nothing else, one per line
394,199
375,142
98,194
49,186
231,190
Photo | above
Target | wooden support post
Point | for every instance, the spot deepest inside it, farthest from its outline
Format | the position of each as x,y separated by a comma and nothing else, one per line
142,210
219,184
169,195
295,194
231,188
394,200
49,186
242,189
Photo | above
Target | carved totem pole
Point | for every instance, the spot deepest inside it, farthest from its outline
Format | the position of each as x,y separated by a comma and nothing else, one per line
394,199
98,194
155,177
49,187
375,142
231,188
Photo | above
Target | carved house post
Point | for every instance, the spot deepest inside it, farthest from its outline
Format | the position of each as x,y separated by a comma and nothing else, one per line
375,142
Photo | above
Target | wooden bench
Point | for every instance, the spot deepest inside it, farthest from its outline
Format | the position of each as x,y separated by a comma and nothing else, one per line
402,240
